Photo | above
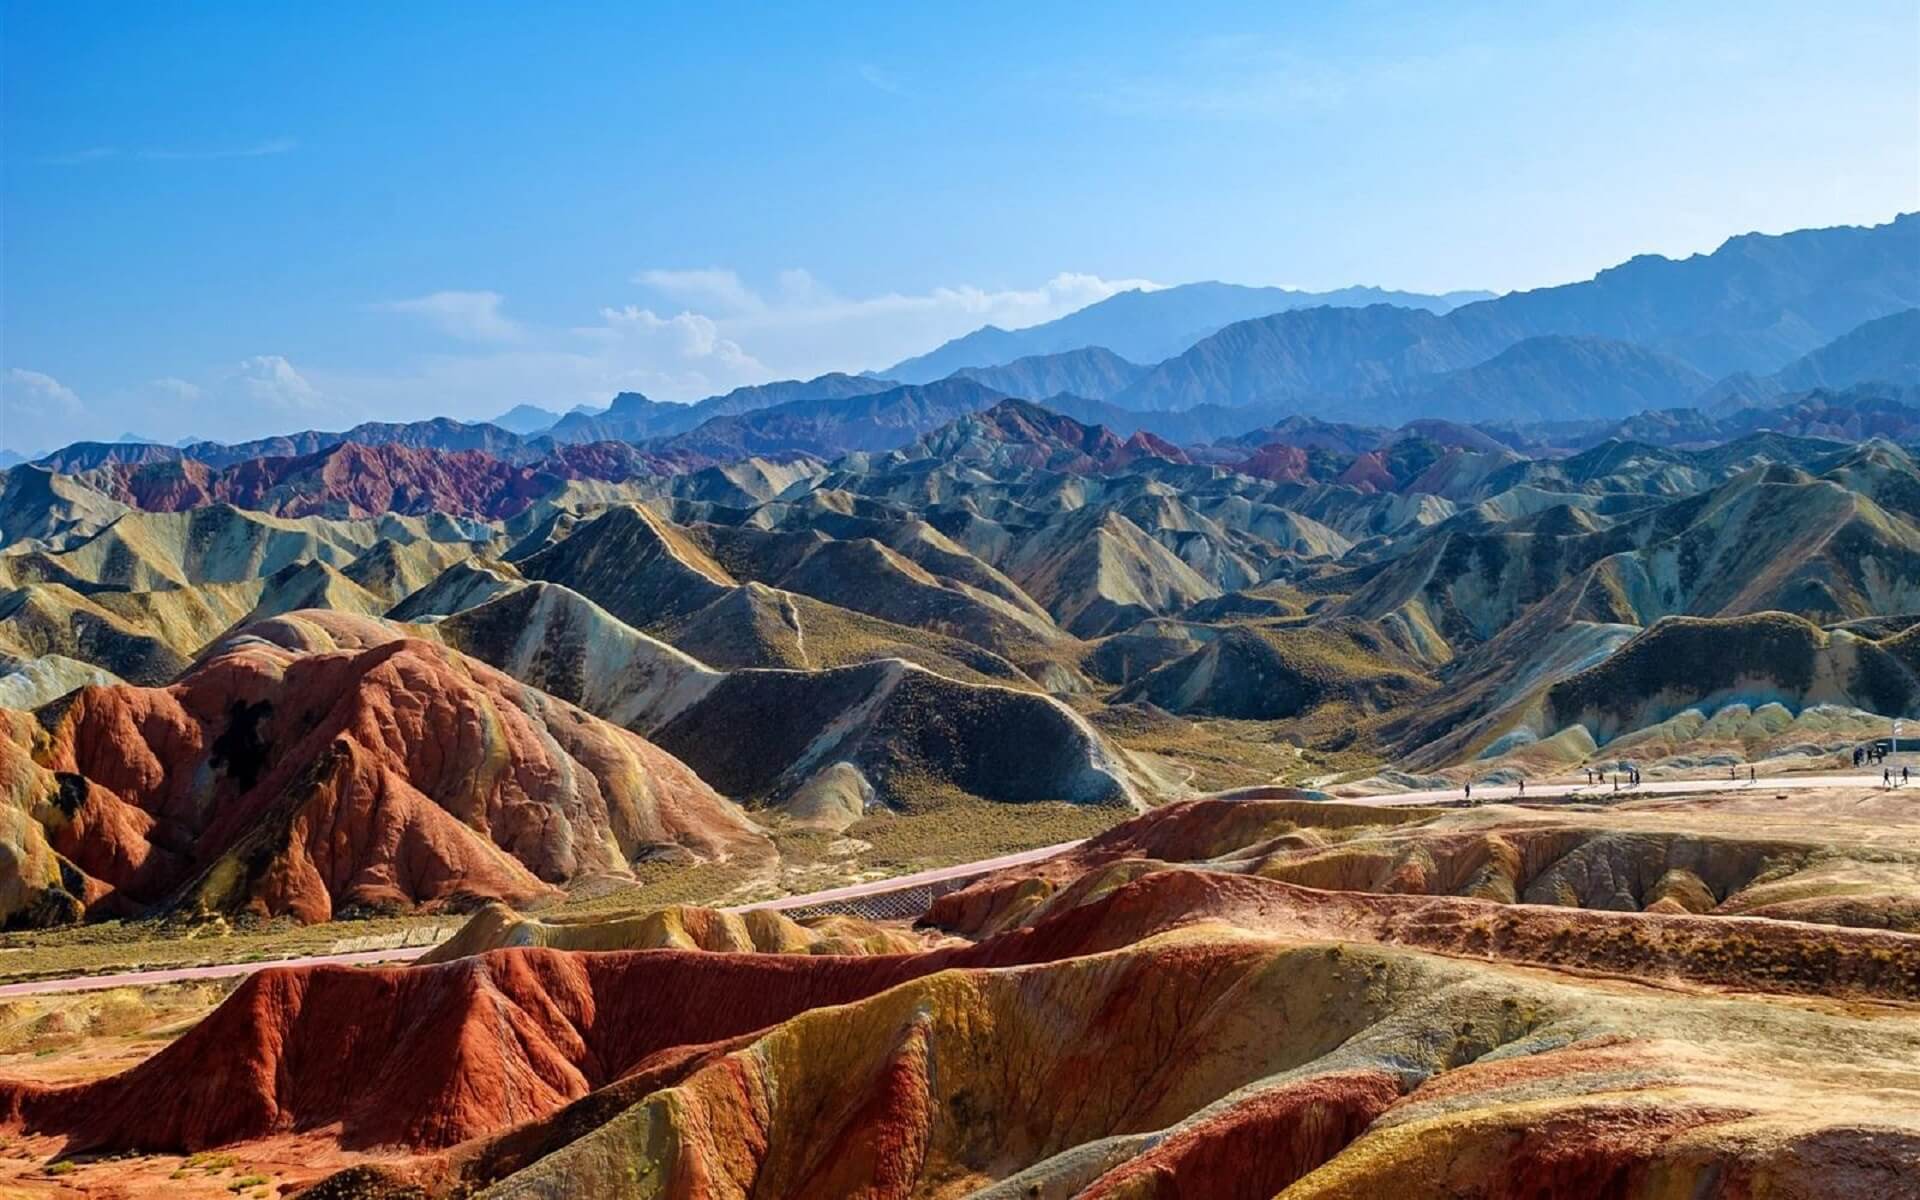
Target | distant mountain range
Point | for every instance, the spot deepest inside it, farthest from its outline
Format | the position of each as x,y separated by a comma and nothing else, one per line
831,426
633,417
1852,414
1019,434
1315,355
1557,377
1769,318
1887,349
1147,326
1754,305
526,419
1094,372
956,421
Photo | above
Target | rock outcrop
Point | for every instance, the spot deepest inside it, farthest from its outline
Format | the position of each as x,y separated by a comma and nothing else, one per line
293,781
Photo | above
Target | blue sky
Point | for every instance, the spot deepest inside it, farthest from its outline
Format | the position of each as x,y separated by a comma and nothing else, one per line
233,219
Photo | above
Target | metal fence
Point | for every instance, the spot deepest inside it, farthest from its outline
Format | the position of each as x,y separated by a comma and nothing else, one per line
897,905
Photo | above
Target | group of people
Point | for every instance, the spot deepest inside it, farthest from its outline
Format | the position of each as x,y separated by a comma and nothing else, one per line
1595,775
1877,753
1861,755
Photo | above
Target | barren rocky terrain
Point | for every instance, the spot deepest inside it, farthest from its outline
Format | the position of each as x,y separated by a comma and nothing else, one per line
1508,808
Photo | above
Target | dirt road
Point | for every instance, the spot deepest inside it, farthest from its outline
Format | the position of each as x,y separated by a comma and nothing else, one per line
1539,791
87,983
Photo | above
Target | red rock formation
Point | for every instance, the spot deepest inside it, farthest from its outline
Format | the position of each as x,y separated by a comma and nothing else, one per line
1255,1149
39,884
1369,473
431,1056
1278,462
611,461
1184,1032
1150,445
395,775
355,480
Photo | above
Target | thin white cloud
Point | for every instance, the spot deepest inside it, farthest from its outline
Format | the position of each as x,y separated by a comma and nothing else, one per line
470,316
36,389
1231,77
271,382
691,335
884,80
177,389
266,149
38,412
92,154
76,157
702,332
706,332
802,327
253,397
708,287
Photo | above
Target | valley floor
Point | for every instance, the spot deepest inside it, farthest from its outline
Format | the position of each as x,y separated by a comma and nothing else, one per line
811,860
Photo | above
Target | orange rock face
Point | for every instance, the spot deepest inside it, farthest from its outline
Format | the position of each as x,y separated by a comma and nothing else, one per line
402,774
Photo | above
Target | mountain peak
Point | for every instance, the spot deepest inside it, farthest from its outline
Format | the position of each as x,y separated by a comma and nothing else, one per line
1143,325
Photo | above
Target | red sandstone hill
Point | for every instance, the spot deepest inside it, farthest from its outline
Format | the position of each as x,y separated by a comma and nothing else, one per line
1279,463
402,774
434,1055
1369,473
611,461
354,480
1184,1031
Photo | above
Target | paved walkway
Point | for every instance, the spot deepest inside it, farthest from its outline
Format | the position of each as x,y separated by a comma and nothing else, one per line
899,883
89,983
832,896
1577,790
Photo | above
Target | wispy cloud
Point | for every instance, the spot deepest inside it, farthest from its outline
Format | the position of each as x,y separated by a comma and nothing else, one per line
92,154
76,157
695,332
802,327
1232,77
266,149
470,316
38,412
882,79
1223,78
709,287
690,333
269,381
177,389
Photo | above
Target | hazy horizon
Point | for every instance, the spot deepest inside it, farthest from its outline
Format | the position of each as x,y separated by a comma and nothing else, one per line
226,222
